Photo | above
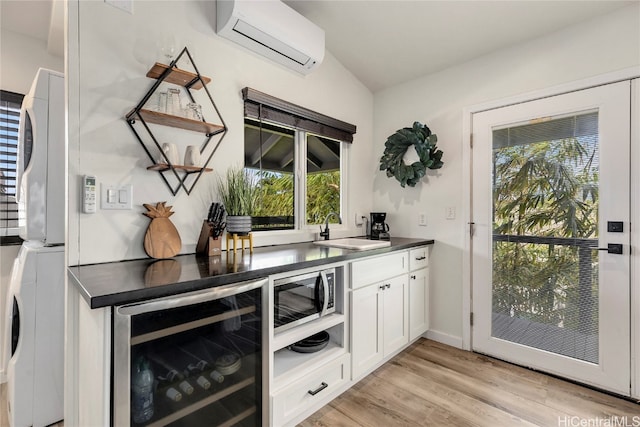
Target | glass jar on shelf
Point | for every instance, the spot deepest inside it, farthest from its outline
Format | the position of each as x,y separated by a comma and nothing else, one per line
194,111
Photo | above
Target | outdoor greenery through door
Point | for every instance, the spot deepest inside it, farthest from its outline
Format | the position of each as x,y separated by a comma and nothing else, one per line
545,195
550,264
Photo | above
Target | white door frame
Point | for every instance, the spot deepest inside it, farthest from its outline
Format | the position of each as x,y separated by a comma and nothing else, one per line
635,239
467,115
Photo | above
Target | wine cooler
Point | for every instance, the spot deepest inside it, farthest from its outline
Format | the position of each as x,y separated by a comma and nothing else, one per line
190,360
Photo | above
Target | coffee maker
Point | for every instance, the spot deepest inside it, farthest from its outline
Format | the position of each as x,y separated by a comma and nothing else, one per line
379,230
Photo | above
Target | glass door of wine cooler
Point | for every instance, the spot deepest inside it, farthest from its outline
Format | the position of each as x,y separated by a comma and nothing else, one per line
190,360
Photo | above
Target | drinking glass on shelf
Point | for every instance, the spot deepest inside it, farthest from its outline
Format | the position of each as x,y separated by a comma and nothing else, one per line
173,101
169,47
161,102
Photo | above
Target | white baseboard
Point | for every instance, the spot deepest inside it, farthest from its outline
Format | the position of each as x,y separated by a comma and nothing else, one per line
444,338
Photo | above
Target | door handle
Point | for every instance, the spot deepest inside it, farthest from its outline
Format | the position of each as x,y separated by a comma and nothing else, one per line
195,297
613,248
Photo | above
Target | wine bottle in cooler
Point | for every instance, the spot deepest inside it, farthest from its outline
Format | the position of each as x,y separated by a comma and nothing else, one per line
195,368
169,377
199,350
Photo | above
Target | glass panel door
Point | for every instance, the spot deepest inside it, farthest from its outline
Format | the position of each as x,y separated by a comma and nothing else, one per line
545,235
193,359
550,252
205,360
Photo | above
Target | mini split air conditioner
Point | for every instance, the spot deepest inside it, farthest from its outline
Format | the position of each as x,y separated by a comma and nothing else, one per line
274,30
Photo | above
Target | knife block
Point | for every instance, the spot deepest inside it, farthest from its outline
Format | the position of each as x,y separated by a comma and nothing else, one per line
208,245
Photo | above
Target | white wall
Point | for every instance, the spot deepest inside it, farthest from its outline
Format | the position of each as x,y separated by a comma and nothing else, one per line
608,43
116,50
21,58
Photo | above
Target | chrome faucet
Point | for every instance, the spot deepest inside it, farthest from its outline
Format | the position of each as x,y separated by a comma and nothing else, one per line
325,233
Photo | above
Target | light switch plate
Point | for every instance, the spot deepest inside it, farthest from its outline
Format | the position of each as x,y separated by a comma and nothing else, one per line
450,212
422,219
116,196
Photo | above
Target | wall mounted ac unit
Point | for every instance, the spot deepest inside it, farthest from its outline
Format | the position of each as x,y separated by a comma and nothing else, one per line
274,30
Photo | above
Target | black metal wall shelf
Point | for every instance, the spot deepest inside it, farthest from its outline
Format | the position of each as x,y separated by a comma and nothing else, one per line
139,119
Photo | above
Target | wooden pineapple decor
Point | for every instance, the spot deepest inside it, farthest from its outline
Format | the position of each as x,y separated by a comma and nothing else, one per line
161,239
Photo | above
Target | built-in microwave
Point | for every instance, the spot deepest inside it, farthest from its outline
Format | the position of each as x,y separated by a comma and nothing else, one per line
303,298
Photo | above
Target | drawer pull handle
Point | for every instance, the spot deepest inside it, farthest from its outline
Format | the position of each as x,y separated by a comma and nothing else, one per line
323,385
388,285
420,258
382,287
413,276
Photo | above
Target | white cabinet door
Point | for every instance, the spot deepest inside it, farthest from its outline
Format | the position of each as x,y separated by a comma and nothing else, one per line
418,303
395,322
366,347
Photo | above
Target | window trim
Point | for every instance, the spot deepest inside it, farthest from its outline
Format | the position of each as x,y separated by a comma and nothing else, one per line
260,106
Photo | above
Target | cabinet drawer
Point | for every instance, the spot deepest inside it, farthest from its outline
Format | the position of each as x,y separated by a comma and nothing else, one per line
297,397
379,268
418,258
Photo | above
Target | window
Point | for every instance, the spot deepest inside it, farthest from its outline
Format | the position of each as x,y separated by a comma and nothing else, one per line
297,156
269,153
9,122
323,178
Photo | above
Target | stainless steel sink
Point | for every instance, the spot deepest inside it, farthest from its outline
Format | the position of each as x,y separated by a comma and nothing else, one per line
354,243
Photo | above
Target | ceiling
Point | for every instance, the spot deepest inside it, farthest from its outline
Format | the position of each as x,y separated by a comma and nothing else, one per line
383,43
40,19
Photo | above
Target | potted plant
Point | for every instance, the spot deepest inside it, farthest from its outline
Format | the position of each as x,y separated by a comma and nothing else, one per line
238,191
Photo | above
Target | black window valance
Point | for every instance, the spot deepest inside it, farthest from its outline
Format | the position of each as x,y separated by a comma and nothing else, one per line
258,105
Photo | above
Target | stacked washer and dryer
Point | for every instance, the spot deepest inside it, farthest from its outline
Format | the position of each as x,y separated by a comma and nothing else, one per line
34,333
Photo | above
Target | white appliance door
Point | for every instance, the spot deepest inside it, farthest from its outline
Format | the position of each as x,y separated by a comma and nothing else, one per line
551,252
32,169
41,161
35,372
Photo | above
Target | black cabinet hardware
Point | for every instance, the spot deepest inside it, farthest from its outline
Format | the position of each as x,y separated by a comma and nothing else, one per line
323,385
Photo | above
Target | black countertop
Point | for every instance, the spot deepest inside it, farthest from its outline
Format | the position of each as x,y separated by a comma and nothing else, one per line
117,283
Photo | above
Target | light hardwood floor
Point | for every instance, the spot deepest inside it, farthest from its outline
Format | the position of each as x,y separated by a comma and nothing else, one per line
431,384
4,421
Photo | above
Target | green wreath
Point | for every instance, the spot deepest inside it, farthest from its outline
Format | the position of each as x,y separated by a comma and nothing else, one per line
424,142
